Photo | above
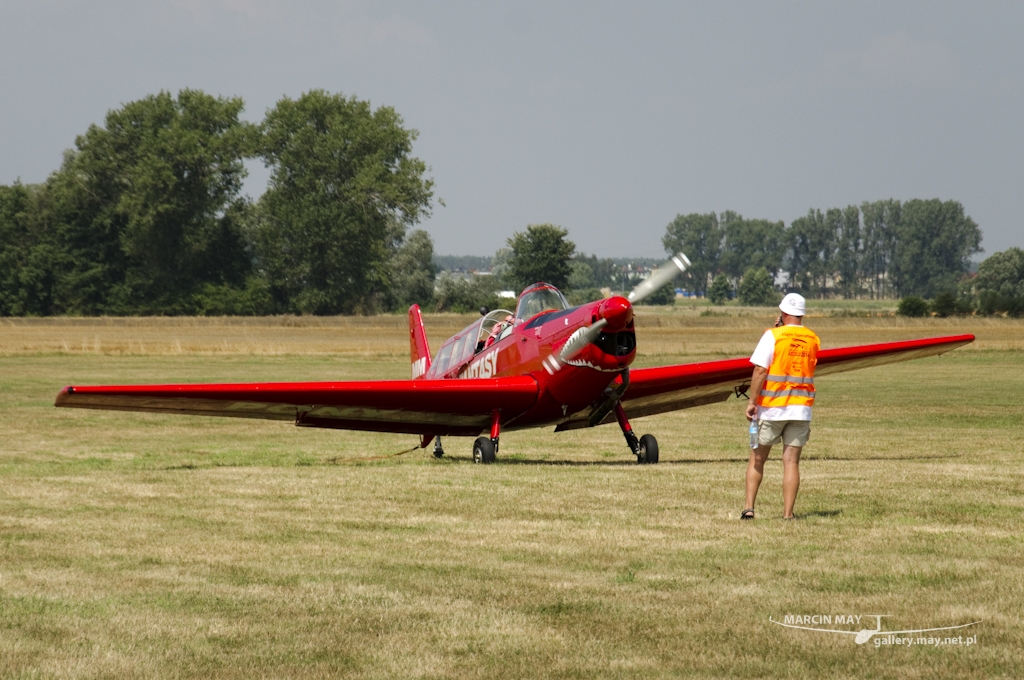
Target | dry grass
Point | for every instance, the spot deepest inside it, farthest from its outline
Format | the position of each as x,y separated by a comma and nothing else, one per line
154,546
678,331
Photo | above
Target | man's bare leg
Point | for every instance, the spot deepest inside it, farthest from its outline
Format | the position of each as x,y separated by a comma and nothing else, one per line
790,479
755,471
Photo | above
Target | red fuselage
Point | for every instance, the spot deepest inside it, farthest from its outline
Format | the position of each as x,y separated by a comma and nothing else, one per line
530,349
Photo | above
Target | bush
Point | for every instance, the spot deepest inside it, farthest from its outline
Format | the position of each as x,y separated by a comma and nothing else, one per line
666,295
999,285
990,303
912,306
756,289
225,300
719,291
944,304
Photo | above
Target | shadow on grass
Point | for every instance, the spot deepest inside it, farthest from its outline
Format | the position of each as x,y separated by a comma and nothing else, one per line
820,513
449,460
336,461
848,458
698,461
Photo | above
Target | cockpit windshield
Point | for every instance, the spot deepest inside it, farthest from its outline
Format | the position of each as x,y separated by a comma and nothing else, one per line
540,297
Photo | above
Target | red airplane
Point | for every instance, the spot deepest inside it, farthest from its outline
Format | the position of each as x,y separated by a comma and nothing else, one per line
544,364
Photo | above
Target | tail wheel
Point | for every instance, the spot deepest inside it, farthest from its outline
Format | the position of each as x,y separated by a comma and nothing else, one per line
648,450
483,450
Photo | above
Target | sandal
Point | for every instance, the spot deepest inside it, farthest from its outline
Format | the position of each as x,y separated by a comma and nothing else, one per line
747,514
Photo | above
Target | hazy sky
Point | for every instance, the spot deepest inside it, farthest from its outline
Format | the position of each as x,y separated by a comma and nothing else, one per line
606,118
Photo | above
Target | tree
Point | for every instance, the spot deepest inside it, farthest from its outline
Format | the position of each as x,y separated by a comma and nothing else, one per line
541,253
343,189
700,238
582,275
756,289
28,254
719,291
846,224
751,243
812,243
935,243
881,226
458,294
147,208
999,285
413,272
801,256
603,271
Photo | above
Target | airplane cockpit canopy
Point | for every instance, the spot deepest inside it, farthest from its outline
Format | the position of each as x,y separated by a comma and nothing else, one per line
471,340
540,297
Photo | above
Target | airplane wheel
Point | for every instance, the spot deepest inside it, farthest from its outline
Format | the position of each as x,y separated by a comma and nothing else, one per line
438,451
648,450
483,450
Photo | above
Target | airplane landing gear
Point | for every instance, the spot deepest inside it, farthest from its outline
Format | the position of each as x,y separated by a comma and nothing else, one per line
438,449
484,449
646,448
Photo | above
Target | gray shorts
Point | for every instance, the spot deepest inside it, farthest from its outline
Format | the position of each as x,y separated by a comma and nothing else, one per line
789,432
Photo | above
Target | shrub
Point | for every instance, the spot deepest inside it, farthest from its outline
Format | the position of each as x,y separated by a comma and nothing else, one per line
999,284
990,303
719,291
944,304
756,288
912,306
666,295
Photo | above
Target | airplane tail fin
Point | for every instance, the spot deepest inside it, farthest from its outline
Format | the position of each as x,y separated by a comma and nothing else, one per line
418,347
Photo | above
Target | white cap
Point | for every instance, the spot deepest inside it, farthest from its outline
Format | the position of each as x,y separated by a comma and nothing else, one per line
794,305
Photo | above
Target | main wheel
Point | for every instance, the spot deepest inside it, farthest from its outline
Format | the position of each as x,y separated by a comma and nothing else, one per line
483,450
648,450
438,449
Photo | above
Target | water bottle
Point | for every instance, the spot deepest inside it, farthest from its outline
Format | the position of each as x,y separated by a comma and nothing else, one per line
753,433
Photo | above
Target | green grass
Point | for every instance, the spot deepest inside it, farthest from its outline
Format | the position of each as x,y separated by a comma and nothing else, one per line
138,545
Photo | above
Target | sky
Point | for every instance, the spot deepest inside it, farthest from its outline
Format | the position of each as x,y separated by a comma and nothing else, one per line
605,118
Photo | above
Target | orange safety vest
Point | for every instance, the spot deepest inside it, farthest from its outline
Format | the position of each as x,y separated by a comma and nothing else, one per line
790,380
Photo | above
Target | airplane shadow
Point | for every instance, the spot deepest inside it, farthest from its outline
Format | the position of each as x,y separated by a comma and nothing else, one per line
698,461
600,463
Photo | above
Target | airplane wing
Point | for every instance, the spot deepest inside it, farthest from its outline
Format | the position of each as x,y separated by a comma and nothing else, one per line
671,388
442,407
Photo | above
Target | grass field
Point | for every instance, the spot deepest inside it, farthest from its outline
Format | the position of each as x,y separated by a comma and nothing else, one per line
138,545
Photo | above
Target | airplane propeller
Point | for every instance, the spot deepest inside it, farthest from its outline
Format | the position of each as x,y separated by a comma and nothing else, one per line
583,337
574,345
677,264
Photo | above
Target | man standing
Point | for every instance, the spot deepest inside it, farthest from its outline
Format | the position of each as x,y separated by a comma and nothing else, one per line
781,397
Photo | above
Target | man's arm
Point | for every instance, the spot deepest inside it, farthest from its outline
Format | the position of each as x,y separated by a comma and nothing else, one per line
756,383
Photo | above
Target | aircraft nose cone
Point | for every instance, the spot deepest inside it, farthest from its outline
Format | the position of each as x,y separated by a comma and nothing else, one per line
618,312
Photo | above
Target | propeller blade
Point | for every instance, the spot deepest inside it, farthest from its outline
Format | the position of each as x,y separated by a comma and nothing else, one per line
659,277
577,341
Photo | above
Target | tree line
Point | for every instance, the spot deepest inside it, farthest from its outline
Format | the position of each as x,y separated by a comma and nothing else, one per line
146,213
146,216
884,249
